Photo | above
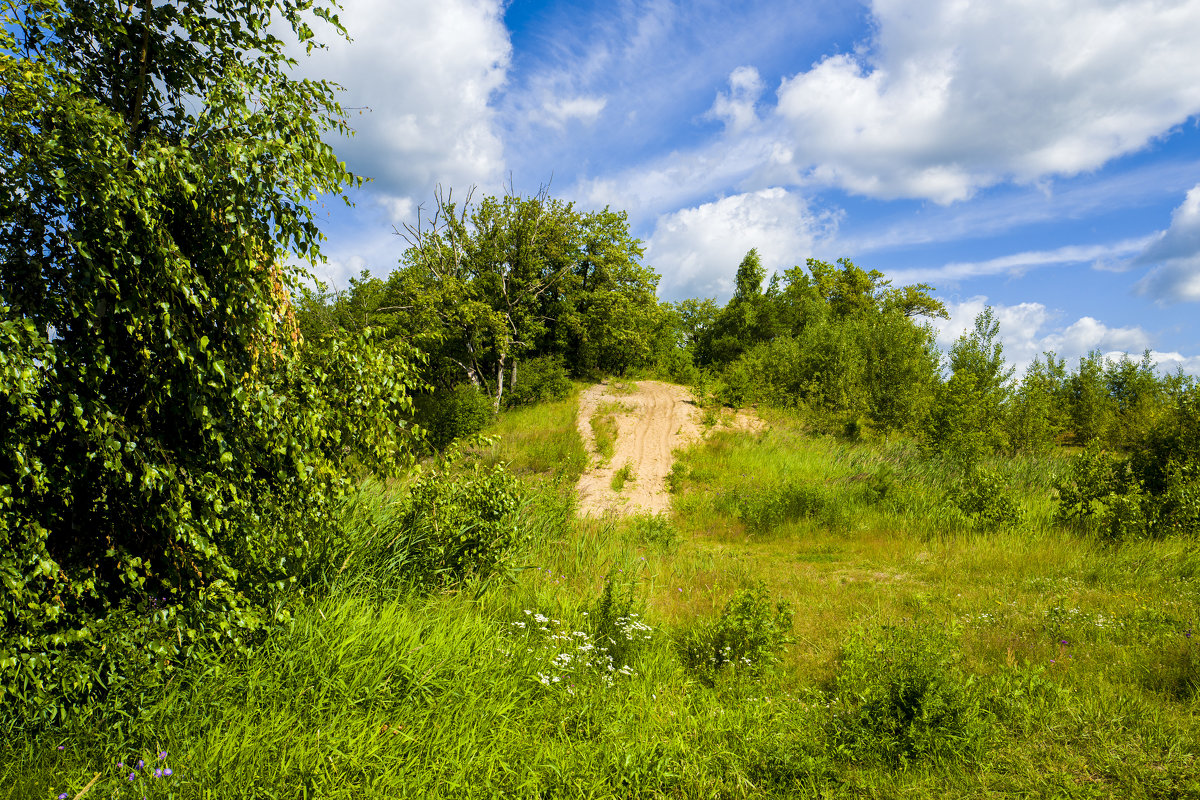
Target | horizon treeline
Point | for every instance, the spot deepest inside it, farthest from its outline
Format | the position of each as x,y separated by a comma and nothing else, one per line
510,298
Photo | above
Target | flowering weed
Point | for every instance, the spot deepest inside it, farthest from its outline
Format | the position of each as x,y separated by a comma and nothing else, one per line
748,635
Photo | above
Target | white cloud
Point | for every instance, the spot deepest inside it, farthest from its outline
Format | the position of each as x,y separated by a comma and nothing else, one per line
955,95
419,78
1175,254
949,96
1029,329
558,112
1169,362
736,108
1101,256
743,163
998,213
697,250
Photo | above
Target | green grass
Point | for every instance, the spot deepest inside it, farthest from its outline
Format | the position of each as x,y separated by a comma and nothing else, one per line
1049,665
539,442
604,429
622,476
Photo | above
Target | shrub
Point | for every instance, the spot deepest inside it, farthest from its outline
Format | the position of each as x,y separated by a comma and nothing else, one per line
749,635
460,525
1152,493
538,380
450,414
900,698
676,366
984,499
453,525
1100,493
164,434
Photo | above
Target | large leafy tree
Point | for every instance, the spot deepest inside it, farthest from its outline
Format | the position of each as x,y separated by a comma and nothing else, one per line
487,285
164,449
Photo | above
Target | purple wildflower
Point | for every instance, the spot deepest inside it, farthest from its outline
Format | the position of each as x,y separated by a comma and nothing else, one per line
167,771
62,747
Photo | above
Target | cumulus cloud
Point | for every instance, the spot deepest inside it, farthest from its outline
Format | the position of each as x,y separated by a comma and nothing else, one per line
419,78
1175,256
736,107
951,96
1169,362
697,250
1029,329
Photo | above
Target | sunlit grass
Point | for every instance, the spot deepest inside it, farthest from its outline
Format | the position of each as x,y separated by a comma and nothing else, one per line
1083,657
604,429
539,441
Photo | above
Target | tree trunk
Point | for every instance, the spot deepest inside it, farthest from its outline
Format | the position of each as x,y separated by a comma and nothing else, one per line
499,386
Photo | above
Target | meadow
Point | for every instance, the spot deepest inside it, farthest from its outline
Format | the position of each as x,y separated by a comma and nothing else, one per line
818,617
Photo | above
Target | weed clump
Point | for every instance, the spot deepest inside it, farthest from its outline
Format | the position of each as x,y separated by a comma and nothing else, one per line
773,506
604,429
616,627
655,531
748,636
900,698
621,477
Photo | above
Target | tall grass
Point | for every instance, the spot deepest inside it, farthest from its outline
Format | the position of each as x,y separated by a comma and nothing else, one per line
928,658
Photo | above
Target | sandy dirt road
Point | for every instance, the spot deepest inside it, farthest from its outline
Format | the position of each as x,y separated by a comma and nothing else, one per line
651,422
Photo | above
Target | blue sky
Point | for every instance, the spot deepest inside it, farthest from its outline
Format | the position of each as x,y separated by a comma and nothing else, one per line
1040,157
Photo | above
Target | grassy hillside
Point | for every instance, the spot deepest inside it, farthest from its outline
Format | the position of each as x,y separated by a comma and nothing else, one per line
817,618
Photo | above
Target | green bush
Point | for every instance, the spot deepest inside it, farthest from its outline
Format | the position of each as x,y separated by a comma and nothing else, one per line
677,366
985,500
539,380
165,435
452,525
748,636
459,525
1153,492
450,414
1099,493
900,698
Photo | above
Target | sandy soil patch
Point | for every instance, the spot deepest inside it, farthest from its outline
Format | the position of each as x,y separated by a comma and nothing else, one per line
652,422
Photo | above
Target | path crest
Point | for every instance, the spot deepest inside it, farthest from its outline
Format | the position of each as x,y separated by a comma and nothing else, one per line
661,418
